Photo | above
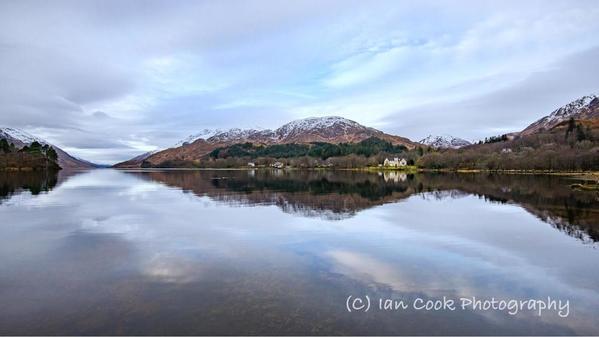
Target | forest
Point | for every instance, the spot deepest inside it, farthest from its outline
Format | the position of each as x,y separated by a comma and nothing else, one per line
366,148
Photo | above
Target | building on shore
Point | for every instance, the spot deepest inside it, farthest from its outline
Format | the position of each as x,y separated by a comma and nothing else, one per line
396,162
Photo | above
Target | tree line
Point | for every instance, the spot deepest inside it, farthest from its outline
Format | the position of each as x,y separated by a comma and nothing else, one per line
570,147
33,156
366,148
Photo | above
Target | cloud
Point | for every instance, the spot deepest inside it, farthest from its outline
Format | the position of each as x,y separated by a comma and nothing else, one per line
141,75
510,108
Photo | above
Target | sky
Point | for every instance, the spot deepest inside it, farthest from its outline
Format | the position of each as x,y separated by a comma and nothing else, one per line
107,80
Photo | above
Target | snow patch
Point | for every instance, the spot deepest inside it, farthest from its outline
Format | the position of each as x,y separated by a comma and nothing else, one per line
300,126
204,134
444,142
13,134
570,109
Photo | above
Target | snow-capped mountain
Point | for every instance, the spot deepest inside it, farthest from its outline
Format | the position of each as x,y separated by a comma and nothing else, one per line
204,134
444,142
315,129
586,107
241,135
314,124
303,130
324,127
21,138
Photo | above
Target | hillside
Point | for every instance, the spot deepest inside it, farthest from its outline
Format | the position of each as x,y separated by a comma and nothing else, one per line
444,142
21,138
31,157
584,108
334,130
565,140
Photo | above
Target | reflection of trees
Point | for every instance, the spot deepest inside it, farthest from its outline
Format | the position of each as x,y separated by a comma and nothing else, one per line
548,197
339,194
34,181
311,193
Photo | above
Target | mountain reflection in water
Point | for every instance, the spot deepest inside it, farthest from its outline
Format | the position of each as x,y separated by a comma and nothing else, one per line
341,194
267,252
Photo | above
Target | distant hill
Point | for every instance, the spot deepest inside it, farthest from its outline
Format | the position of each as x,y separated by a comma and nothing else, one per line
444,142
333,130
21,138
136,161
565,140
584,108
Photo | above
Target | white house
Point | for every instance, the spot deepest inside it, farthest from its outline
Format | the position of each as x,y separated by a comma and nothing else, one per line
250,164
396,162
278,165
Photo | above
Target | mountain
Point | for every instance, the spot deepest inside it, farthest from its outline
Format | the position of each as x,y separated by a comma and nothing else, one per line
136,161
204,134
21,138
584,108
444,142
324,129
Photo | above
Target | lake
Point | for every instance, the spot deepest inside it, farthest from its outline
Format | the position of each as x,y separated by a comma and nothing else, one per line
108,252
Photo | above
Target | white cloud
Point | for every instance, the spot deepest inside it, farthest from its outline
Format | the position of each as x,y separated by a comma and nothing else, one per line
171,69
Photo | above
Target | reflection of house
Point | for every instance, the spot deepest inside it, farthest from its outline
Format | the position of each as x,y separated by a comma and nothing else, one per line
394,176
396,162
250,164
278,165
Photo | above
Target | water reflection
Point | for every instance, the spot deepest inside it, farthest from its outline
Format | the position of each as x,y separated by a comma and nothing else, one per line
34,182
341,194
211,252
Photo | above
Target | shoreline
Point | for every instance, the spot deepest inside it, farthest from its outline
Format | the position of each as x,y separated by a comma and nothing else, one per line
410,169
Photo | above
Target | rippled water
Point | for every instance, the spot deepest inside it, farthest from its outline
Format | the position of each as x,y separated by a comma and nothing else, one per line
279,252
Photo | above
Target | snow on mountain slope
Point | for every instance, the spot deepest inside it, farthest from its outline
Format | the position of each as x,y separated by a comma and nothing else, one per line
444,142
307,130
21,138
333,126
240,135
204,134
586,107
312,124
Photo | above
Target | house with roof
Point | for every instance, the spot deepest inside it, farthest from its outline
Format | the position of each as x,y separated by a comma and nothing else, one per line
396,162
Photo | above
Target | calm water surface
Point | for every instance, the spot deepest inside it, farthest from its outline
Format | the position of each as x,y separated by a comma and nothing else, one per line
279,252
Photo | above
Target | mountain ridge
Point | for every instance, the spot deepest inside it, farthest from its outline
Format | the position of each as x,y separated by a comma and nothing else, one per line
331,129
583,108
21,138
444,142
286,133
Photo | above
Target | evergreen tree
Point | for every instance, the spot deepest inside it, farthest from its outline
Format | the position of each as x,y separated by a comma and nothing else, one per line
4,147
580,134
51,153
571,126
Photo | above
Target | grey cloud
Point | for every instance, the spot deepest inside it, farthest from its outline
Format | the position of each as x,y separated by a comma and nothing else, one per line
185,115
100,115
68,68
508,109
